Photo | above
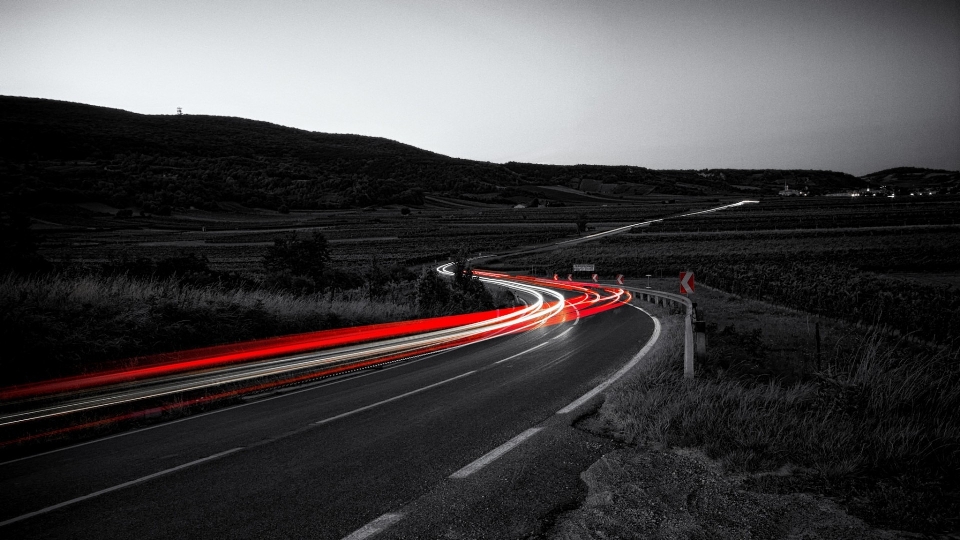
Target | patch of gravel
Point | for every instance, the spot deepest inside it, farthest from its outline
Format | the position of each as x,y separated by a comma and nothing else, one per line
680,494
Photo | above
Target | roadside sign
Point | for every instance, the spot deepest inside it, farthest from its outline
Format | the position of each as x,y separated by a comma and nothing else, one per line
584,268
619,279
594,277
569,277
686,282
556,277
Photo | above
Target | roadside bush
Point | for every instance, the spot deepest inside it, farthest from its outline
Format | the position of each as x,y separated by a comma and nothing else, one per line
433,294
59,324
298,264
463,294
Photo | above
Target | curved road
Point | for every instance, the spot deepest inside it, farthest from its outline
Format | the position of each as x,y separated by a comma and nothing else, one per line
335,459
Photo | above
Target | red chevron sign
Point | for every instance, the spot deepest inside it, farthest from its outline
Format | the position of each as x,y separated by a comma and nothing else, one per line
686,282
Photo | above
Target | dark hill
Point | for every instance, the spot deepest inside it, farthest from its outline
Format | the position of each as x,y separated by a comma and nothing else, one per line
63,130
56,151
640,180
913,179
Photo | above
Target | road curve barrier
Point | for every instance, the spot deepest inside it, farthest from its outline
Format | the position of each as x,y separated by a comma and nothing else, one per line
662,298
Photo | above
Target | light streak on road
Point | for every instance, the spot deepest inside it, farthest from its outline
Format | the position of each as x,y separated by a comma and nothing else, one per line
235,369
626,228
259,365
717,209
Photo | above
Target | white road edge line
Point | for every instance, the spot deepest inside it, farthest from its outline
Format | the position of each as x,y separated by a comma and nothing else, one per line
323,383
494,454
119,486
535,347
565,332
374,527
613,378
389,400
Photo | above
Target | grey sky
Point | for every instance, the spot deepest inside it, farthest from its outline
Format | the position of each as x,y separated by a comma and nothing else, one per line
855,86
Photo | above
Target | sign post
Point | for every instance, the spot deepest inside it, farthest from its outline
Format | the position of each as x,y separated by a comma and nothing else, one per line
687,287
688,346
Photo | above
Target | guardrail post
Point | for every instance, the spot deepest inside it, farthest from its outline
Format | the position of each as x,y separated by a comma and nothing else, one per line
665,299
699,333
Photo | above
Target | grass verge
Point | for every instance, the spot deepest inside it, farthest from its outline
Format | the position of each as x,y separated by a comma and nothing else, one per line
875,427
61,324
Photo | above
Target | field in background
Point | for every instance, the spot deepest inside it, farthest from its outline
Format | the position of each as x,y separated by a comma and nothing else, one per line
235,239
887,262
902,277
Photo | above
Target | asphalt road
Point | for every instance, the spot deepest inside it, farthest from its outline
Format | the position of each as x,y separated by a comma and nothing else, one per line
324,461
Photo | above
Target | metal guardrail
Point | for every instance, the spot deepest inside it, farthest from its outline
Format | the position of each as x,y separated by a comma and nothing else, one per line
662,298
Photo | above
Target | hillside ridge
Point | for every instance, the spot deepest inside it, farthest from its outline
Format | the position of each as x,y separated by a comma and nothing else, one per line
64,152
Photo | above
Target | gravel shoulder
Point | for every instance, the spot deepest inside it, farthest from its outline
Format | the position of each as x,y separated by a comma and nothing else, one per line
674,493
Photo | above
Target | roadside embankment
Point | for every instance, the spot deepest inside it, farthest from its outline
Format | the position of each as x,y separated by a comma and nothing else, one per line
772,440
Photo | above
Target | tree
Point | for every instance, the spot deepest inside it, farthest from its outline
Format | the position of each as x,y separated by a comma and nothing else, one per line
299,258
581,223
469,292
433,294
377,279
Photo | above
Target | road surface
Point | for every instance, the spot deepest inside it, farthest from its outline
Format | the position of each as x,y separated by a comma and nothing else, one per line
338,458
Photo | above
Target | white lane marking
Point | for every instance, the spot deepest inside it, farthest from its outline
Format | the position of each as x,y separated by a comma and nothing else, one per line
304,388
374,527
119,486
535,347
633,362
389,400
494,454
567,331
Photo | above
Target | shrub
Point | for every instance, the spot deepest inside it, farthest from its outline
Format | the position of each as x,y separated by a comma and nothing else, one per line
59,324
298,263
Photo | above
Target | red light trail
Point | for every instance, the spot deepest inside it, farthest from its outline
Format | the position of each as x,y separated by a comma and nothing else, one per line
243,367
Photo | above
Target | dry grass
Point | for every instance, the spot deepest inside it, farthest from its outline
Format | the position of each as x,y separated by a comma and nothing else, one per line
63,324
877,427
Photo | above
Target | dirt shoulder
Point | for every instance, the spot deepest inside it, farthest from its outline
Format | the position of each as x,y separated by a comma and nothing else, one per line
679,493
